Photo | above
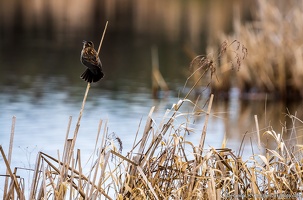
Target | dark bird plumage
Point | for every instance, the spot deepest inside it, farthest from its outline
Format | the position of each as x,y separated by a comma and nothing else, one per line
90,59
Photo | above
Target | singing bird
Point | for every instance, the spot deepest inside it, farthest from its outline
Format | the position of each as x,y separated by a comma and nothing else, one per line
89,58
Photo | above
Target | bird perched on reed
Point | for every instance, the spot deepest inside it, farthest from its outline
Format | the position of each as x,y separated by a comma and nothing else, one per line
90,58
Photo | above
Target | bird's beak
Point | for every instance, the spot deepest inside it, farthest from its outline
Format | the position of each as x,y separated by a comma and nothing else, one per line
84,41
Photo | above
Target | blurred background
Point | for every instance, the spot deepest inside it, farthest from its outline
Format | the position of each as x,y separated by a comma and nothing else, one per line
40,44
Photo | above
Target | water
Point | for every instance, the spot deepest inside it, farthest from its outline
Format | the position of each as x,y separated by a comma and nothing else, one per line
41,122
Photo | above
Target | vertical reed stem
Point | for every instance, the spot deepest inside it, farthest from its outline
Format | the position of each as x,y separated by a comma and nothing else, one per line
11,141
102,37
202,140
258,131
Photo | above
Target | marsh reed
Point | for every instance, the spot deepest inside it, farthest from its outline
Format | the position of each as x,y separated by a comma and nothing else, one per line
274,39
158,82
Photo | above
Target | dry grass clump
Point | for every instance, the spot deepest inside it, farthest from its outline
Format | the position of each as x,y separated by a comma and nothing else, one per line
162,164
177,169
274,39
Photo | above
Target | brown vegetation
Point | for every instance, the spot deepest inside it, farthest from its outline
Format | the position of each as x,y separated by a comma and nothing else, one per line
274,39
163,165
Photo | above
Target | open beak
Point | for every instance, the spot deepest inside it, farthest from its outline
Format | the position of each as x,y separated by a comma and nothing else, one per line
84,41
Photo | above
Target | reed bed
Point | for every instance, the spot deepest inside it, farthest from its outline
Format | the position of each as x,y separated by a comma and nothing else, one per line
274,39
162,164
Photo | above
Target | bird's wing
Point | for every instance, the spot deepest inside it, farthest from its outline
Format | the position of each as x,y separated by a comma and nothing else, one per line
91,56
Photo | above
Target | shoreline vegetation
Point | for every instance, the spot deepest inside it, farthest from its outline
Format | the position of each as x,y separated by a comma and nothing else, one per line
273,69
162,164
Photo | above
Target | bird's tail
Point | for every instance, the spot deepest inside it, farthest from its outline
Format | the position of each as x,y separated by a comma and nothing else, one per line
88,76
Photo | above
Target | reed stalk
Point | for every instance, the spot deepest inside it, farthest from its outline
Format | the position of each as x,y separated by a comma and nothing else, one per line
10,150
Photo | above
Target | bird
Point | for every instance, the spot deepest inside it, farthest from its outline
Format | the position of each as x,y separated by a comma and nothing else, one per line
90,59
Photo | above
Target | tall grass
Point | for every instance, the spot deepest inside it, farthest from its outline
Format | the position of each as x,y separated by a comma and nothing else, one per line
274,39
